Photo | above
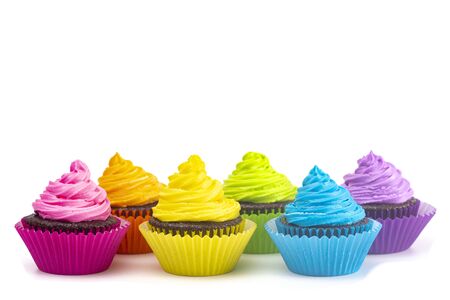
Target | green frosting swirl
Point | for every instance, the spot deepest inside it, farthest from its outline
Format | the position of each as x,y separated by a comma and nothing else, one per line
254,180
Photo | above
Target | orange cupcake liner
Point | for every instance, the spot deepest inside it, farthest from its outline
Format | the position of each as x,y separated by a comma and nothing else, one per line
133,242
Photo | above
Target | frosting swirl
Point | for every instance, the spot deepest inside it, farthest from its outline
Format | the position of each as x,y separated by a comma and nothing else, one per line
377,181
254,180
73,198
320,201
127,184
193,196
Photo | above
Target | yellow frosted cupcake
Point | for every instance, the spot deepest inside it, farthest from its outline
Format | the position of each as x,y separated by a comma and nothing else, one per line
195,230
133,193
262,193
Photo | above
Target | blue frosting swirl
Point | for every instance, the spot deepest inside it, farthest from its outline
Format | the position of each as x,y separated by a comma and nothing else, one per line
320,201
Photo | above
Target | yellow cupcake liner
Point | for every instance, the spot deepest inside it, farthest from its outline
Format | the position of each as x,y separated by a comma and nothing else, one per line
195,255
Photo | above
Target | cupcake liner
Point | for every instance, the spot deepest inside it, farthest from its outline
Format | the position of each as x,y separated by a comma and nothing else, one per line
324,256
344,230
260,243
133,241
198,256
399,234
72,253
384,213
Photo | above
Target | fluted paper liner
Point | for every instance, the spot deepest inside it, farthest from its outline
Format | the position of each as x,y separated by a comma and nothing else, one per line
260,243
133,241
399,234
72,253
324,256
195,255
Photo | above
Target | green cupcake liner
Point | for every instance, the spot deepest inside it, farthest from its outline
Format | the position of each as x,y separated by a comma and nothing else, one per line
261,243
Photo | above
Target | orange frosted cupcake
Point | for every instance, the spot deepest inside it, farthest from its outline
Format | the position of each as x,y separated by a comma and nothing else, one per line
133,193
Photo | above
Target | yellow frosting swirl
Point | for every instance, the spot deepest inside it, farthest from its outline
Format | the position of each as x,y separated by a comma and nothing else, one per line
192,196
127,184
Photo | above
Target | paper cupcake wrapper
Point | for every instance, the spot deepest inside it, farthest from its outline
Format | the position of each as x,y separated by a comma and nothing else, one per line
324,256
399,234
400,212
71,253
133,241
195,255
260,243
319,232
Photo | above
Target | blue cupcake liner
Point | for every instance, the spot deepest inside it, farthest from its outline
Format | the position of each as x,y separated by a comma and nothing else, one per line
346,230
324,256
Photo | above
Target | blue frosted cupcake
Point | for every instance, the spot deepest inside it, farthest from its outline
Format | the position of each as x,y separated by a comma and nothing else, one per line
324,232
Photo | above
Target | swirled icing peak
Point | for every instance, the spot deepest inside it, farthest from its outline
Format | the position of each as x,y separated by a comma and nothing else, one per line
127,184
73,198
254,180
193,196
377,181
320,201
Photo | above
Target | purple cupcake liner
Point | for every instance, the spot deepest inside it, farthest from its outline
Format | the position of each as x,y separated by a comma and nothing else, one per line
72,253
399,234
384,213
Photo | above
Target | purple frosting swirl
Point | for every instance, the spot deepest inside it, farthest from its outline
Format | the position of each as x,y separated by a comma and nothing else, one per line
376,181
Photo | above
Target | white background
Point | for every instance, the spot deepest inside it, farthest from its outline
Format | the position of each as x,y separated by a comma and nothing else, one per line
305,82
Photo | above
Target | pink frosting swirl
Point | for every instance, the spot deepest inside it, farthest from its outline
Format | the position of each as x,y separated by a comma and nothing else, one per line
377,181
73,198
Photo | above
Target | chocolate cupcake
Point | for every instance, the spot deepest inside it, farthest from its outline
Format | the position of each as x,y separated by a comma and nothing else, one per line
195,230
72,231
385,195
262,193
36,222
324,232
133,193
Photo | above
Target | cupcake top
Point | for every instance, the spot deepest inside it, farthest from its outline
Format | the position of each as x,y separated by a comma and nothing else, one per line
73,198
320,201
377,181
254,180
127,184
193,196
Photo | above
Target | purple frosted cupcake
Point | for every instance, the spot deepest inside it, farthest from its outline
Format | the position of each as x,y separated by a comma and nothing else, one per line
378,186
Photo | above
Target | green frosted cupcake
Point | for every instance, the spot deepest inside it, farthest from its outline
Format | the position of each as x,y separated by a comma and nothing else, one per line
263,193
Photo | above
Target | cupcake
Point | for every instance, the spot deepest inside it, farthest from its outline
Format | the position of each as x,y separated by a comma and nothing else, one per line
133,193
262,193
378,186
72,231
324,232
195,230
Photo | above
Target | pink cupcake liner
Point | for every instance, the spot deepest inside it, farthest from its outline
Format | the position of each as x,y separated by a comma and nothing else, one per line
72,253
399,234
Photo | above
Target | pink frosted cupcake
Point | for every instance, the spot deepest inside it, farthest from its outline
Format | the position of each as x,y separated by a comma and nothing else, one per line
72,231
379,187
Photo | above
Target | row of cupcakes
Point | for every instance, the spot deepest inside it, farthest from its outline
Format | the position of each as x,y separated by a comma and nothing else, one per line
198,227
